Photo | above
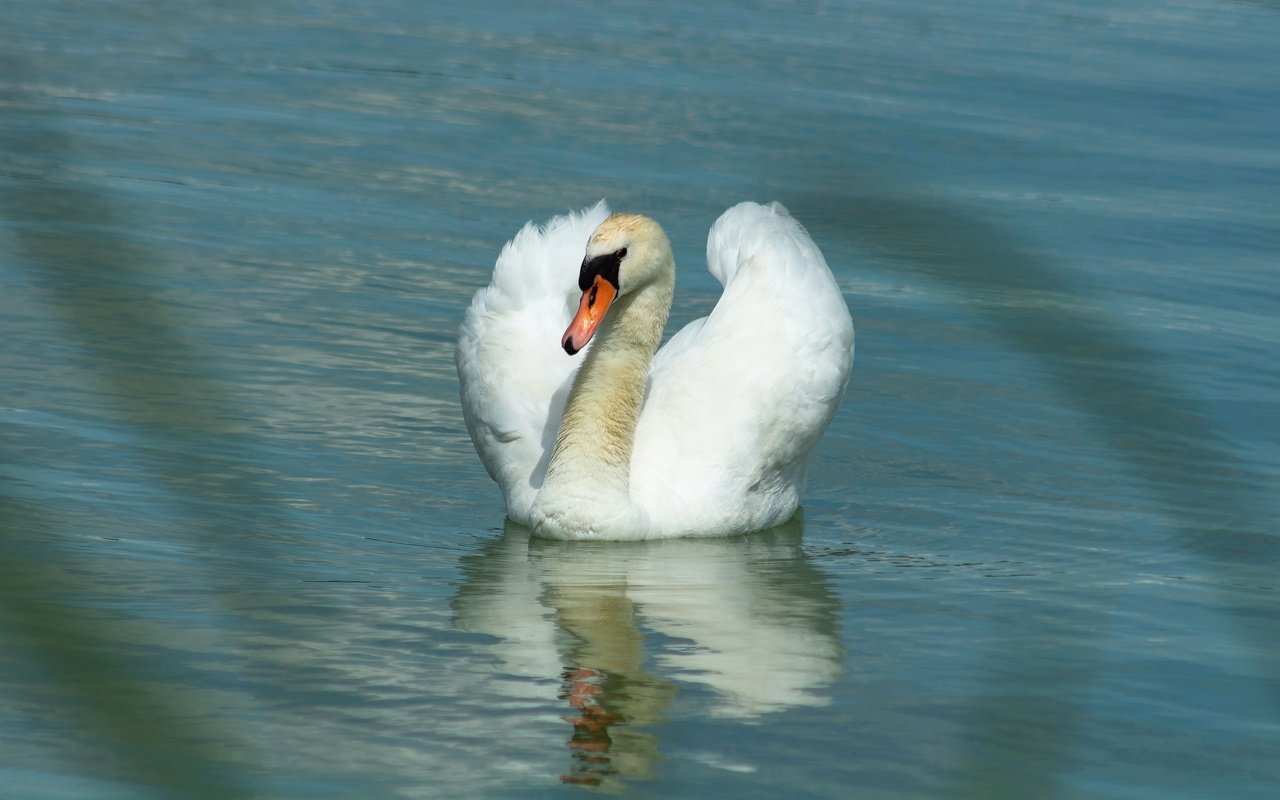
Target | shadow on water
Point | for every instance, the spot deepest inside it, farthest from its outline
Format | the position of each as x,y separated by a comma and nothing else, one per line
637,632
1214,501
70,238
1212,497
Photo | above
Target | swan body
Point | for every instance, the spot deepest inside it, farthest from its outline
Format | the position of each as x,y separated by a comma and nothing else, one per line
711,434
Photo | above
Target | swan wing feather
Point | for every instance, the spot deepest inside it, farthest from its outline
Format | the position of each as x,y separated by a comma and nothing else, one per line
736,401
513,375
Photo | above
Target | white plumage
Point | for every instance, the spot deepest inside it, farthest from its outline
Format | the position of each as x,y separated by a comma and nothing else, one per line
728,411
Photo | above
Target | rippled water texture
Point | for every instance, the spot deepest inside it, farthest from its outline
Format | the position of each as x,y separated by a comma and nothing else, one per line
248,550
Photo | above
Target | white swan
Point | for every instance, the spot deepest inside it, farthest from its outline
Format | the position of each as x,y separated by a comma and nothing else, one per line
710,436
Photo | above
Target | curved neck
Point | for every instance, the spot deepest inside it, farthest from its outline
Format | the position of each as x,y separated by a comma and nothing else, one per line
597,433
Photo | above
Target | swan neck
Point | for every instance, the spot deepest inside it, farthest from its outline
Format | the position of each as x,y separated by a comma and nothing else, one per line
597,432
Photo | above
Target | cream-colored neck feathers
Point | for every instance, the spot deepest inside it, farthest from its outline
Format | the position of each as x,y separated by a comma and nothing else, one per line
587,485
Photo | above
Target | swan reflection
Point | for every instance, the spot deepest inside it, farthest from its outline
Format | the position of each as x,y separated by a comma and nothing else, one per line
610,631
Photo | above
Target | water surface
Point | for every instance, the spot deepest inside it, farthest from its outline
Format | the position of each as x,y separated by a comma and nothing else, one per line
249,551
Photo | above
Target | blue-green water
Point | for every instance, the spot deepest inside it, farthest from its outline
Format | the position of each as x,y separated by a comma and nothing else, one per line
248,550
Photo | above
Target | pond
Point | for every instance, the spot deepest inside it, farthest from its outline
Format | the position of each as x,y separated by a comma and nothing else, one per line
250,550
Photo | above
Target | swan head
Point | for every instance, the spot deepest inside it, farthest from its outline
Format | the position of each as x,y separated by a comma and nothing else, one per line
626,253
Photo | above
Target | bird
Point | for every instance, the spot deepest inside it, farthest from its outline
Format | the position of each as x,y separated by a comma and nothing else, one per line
593,432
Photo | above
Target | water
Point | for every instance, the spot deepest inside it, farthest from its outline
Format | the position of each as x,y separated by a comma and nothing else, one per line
249,551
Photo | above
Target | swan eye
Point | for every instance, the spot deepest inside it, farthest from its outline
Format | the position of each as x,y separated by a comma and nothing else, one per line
605,266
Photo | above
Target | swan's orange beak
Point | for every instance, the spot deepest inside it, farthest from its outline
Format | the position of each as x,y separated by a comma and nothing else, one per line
595,301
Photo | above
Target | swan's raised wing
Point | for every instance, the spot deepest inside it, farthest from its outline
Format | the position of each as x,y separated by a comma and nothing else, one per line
737,401
514,376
